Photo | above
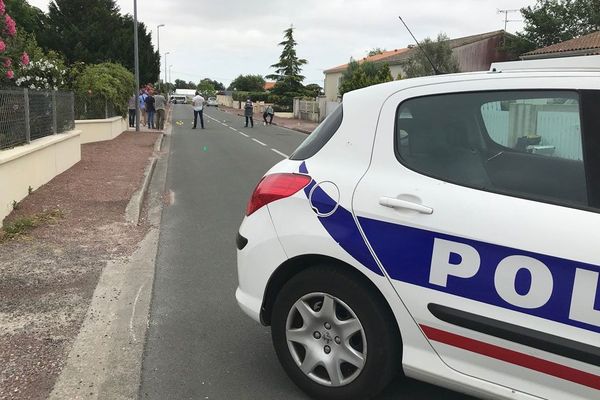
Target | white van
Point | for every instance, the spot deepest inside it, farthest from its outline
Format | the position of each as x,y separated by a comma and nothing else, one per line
178,99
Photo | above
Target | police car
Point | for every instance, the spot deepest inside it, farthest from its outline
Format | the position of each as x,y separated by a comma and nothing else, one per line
444,227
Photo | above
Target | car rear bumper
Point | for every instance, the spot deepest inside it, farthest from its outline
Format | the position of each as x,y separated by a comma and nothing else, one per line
260,255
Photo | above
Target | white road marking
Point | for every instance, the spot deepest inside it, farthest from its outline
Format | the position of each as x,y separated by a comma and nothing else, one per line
233,129
137,297
280,153
259,142
242,133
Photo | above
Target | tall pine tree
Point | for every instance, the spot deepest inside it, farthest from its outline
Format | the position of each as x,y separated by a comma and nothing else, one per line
288,69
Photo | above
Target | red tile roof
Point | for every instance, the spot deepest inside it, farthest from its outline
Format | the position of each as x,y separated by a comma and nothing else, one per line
376,57
269,85
587,42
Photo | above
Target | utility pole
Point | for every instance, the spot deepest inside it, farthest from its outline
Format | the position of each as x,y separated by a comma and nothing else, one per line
170,76
137,66
506,20
166,54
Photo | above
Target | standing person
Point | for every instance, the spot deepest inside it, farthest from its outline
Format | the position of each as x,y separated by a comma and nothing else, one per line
160,103
269,113
248,112
150,110
198,104
131,107
142,98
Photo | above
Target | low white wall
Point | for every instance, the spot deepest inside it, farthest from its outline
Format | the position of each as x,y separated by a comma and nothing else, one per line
284,114
226,101
100,130
34,165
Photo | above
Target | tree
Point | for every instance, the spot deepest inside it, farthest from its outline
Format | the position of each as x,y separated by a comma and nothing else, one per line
207,88
248,83
30,19
313,90
553,21
181,84
360,75
218,86
288,70
439,52
94,31
375,51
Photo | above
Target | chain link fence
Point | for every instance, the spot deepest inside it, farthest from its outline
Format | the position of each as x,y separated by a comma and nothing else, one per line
93,107
26,115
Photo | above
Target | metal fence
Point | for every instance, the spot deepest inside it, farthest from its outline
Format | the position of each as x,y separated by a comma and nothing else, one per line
93,107
26,115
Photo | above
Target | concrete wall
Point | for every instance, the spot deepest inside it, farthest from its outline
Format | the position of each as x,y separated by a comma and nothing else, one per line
34,165
226,101
332,86
480,55
99,130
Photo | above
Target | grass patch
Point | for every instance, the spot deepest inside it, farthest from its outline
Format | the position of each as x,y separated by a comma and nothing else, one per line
21,226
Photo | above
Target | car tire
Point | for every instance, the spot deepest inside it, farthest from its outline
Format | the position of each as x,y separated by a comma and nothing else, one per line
303,336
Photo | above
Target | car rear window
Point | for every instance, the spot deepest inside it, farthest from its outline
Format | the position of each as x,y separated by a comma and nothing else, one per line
320,136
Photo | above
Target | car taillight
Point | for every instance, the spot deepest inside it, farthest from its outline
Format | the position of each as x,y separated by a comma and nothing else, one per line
275,187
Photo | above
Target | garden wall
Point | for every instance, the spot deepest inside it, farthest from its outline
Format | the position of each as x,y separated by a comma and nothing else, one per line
100,130
35,164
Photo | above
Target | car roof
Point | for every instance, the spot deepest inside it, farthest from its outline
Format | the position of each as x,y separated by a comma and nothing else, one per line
384,90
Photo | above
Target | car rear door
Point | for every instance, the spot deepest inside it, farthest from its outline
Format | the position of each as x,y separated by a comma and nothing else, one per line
482,206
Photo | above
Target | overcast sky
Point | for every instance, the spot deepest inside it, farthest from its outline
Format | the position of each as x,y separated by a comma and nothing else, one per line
223,39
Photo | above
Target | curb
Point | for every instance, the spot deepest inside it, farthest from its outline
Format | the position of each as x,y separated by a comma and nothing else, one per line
135,205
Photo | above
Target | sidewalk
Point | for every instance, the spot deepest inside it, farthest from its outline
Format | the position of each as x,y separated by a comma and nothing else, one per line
61,237
289,123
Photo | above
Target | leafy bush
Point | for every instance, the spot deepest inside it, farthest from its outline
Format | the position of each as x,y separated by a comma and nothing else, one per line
46,73
108,81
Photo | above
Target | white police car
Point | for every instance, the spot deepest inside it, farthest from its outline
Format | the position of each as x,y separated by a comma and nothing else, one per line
447,227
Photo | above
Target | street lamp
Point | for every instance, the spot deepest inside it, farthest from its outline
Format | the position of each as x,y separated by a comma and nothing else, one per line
166,54
158,36
136,62
158,39
170,76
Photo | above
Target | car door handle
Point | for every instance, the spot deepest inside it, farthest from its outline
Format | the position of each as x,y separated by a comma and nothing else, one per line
409,205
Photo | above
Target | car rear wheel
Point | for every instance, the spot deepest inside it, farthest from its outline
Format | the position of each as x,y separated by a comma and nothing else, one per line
333,336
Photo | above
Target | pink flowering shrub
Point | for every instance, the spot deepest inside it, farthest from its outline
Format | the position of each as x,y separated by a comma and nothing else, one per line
10,26
12,57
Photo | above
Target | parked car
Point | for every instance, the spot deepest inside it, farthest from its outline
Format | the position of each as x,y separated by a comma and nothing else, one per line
446,227
178,99
212,102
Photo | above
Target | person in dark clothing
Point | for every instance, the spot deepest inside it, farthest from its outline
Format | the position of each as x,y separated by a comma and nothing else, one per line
132,110
269,113
150,110
248,112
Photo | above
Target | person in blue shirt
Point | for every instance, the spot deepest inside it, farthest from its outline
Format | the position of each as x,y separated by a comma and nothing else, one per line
143,96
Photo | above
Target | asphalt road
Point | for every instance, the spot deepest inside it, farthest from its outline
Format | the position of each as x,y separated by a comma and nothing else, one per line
200,345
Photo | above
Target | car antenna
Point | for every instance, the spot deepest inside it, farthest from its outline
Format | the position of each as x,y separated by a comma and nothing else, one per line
435,70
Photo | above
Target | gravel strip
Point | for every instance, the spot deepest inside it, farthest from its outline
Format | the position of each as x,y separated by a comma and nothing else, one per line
47,277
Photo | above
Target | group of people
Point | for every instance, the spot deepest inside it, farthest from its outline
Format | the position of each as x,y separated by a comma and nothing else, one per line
249,114
152,109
